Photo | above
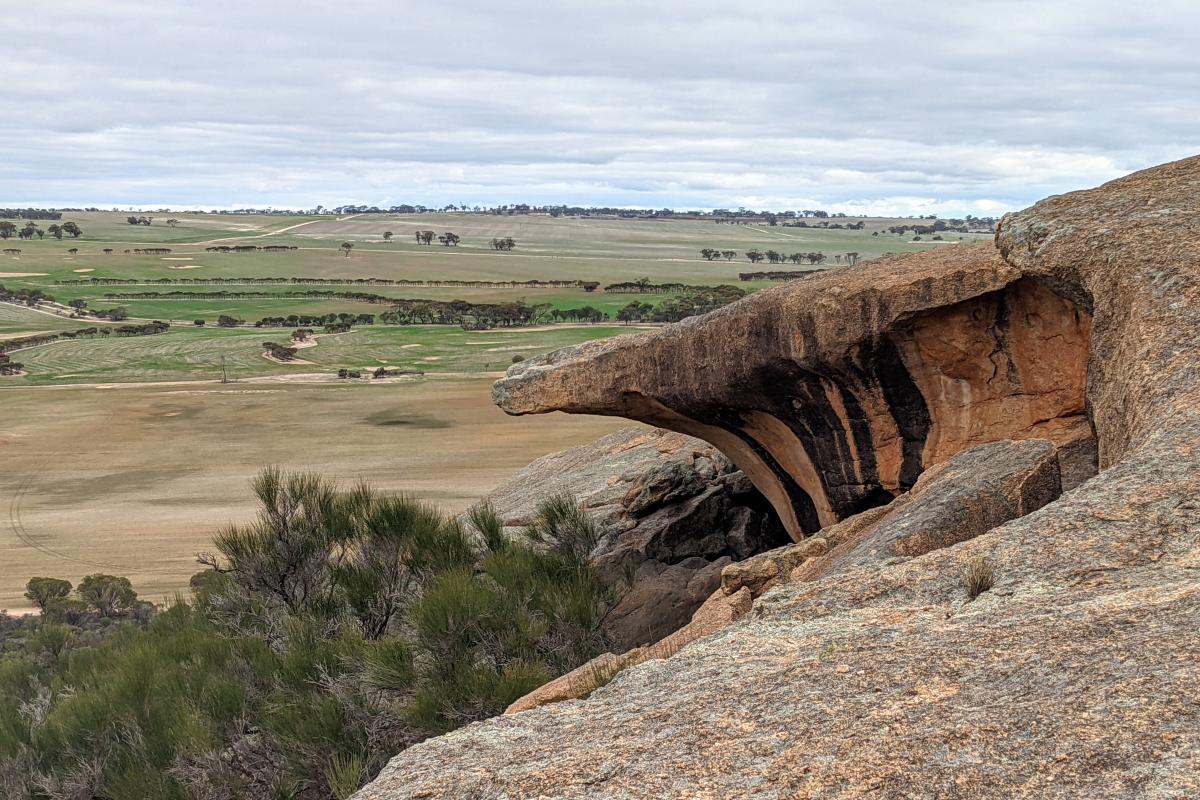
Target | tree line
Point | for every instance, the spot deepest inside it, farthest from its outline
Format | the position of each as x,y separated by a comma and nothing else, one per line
250,248
271,281
775,275
643,285
336,629
693,302
31,229
30,213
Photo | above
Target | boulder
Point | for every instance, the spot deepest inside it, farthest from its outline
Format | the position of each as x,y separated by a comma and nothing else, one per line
673,510
1073,676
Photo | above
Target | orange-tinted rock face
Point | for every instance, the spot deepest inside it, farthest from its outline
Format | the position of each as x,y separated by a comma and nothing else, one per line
837,395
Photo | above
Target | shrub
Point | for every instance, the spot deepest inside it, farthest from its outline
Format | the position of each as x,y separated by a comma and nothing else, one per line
335,629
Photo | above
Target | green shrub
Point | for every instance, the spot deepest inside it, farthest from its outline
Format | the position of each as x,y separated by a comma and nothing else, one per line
337,628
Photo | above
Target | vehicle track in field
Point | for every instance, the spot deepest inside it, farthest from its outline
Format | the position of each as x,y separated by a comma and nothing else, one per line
17,525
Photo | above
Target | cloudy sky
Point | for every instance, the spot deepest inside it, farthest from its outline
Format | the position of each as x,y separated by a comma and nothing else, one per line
951,107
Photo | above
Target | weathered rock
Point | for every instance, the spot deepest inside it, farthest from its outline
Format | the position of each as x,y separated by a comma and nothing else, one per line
1074,676
718,611
674,513
834,393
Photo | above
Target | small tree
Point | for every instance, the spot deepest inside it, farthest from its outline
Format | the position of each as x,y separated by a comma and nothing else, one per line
729,255
7,229
172,222
41,591
54,230
73,229
347,247
387,236
107,594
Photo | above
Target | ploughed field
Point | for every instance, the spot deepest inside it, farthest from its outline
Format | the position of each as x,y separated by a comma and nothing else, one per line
125,454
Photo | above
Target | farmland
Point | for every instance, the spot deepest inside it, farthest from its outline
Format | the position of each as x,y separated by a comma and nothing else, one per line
126,453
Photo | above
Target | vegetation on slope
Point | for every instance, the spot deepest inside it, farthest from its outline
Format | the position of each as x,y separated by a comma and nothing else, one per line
336,629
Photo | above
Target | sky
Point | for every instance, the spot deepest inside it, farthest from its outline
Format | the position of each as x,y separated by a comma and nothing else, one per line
864,107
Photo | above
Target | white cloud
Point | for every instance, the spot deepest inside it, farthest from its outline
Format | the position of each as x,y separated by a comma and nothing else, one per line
954,107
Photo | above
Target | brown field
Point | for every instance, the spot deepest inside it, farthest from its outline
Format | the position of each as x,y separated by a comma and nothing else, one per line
135,480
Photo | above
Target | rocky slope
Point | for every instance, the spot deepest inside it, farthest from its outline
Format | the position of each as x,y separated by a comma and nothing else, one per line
674,513
871,672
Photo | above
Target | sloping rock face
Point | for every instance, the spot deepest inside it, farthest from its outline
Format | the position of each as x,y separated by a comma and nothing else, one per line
970,494
1075,676
674,512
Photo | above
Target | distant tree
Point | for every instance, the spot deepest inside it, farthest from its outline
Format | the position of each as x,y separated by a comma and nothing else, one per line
29,230
172,222
449,239
7,229
108,251
729,255
78,304
347,247
424,237
41,234
851,258
754,256
387,236
226,321
54,230
132,220
40,591
72,251
199,323
73,229
107,594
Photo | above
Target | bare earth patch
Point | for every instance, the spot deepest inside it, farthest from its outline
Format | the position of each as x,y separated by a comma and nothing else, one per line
85,269
22,274
185,266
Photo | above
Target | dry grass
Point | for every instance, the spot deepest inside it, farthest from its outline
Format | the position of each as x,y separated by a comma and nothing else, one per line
134,481
978,577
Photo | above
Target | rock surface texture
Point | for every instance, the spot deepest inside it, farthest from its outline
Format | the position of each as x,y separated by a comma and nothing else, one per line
674,511
870,672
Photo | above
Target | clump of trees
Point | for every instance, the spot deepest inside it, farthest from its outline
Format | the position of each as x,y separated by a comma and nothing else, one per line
775,257
279,352
136,220
690,303
424,237
144,329
505,244
113,314
711,254
10,367
336,629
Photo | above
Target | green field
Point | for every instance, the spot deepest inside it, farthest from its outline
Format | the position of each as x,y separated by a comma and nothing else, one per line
126,454
197,355
604,250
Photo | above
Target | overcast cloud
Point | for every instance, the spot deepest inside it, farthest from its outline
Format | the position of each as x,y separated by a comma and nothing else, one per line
951,107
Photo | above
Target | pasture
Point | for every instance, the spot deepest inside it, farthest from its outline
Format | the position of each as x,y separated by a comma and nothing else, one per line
125,454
